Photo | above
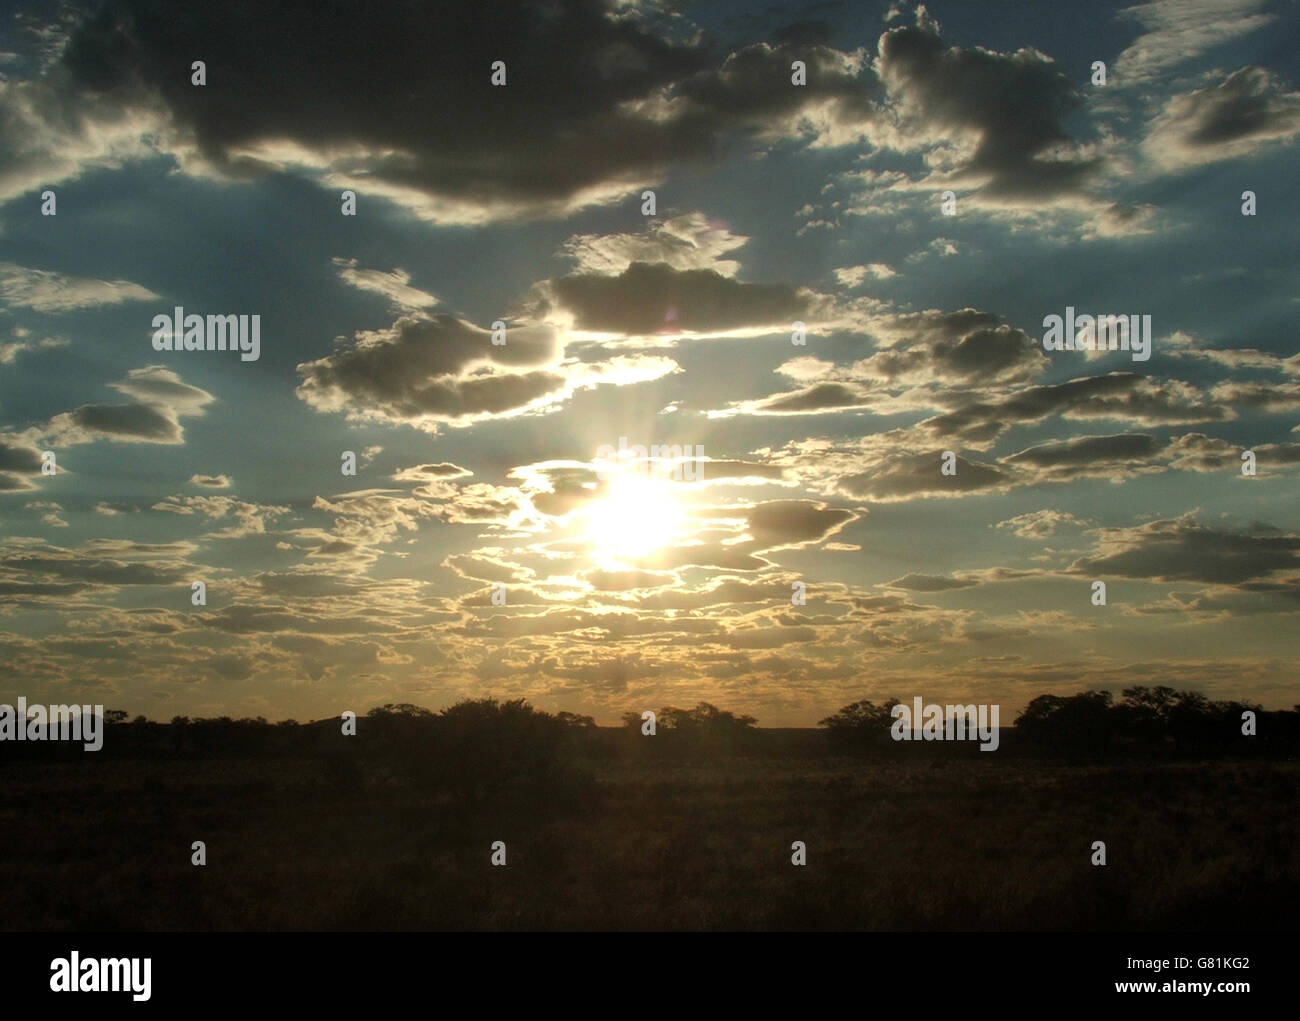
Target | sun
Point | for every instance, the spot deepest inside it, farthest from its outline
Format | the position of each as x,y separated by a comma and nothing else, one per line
634,517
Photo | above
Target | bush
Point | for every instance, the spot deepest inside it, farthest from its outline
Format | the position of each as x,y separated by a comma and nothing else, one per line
861,725
479,749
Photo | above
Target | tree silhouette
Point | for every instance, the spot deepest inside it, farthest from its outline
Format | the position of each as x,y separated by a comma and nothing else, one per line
477,748
860,724
1075,723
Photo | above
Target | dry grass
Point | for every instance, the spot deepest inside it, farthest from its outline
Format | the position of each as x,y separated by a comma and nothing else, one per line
950,845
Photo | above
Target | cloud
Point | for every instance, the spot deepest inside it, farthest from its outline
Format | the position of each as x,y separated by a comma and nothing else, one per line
211,481
690,241
1245,111
121,422
966,348
1123,219
161,400
401,105
428,472
1181,30
394,285
52,511
250,518
17,458
821,398
454,147
648,300
931,583
44,291
1200,453
990,121
154,384
752,89
428,370
373,517
1268,398
854,276
1120,395
51,132
1178,549
629,581
944,248
1041,524
904,476
730,472
481,503
963,348
1115,457
790,524
107,566
1182,345
9,352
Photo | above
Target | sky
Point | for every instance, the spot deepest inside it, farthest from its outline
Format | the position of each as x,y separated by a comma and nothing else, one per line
834,303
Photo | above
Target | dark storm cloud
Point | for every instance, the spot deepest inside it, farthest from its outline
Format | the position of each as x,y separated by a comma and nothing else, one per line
407,76
753,85
647,299
398,97
1014,104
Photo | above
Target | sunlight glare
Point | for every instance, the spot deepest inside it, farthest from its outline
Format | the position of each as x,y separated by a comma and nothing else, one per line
636,516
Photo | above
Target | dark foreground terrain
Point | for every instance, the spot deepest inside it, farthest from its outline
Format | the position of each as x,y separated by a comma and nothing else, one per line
680,838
